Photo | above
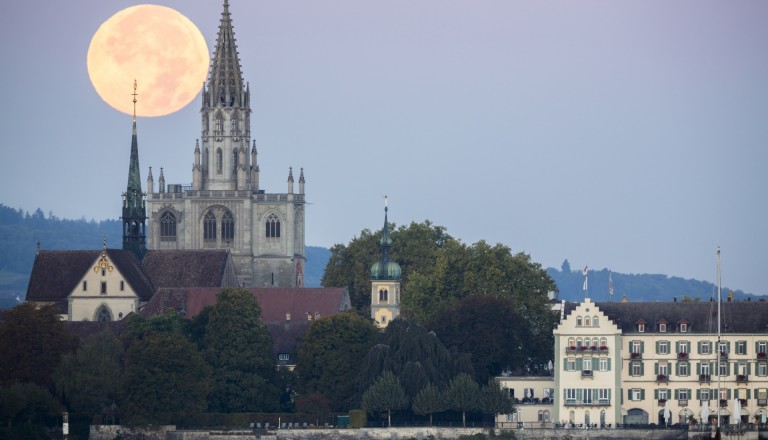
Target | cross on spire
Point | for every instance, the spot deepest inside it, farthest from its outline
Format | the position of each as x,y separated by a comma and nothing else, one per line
135,85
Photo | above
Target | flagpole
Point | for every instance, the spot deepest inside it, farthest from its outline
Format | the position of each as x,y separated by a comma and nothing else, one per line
719,355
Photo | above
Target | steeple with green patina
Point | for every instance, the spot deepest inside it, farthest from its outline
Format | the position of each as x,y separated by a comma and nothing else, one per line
385,281
134,210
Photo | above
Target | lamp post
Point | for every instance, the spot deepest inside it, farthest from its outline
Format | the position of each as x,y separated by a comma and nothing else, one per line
65,424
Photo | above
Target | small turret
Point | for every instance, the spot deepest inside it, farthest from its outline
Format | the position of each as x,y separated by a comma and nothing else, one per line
197,169
134,209
242,173
301,182
290,180
161,181
150,182
254,169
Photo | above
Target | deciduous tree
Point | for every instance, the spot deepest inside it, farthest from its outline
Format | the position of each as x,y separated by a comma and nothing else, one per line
463,394
238,347
330,355
385,395
428,400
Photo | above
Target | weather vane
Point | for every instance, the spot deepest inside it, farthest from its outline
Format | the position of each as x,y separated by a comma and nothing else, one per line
135,84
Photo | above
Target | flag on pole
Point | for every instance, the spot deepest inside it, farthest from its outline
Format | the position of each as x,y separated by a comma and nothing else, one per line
586,284
610,283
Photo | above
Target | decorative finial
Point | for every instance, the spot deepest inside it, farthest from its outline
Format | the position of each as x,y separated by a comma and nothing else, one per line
38,247
386,203
104,243
135,85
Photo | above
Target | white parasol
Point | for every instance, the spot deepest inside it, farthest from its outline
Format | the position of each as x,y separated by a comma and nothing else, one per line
736,411
704,412
667,413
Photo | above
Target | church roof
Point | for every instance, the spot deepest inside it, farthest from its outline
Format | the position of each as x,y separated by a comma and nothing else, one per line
186,268
701,317
56,273
275,302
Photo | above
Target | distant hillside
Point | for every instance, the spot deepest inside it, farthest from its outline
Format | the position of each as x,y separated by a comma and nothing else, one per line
20,231
636,287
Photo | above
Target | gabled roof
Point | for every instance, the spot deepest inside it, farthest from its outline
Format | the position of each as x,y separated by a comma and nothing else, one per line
701,317
275,302
55,274
186,268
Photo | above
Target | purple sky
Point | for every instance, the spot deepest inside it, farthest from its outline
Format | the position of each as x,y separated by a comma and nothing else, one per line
630,135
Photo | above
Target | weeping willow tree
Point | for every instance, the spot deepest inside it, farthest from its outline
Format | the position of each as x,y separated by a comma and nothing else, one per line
415,356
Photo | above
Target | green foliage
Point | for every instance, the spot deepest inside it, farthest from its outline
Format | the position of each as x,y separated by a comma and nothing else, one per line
32,342
238,347
414,355
315,406
88,379
330,354
494,400
349,266
428,400
165,377
26,403
170,323
463,394
385,395
358,418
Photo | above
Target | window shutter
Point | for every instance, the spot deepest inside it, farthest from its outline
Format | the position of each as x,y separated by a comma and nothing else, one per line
594,394
698,368
658,344
749,368
677,394
727,368
727,346
642,369
656,368
579,362
642,393
698,394
749,391
629,394
656,394
609,393
579,394
677,347
609,364
699,347
642,347
565,364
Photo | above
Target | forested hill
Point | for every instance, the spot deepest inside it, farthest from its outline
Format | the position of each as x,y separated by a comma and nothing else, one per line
21,231
636,287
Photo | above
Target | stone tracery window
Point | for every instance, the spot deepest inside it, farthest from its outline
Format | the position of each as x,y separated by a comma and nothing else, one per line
227,226
219,160
272,226
168,226
219,124
103,314
209,226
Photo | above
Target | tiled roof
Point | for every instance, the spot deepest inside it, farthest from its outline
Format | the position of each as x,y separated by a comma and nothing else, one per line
275,302
55,274
185,268
701,317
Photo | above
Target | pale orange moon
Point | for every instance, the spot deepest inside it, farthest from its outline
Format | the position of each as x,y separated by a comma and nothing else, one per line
158,47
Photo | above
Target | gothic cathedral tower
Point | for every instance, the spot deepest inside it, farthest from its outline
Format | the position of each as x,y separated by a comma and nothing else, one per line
224,207
134,209
385,282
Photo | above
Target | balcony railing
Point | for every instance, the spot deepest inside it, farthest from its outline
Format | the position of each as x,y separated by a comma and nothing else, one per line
723,355
636,355
662,378
662,402
682,356
704,378
723,403
762,402
762,356
742,378
585,349
599,402
682,402
587,373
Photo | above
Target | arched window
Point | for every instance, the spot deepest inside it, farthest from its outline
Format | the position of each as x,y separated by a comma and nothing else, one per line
603,342
219,158
578,343
103,314
219,122
594,342
167,226
206,164
209,227
205,122
272,226
235,123
235,160
587,321
227,226
594,321
571,342
578,321
383,295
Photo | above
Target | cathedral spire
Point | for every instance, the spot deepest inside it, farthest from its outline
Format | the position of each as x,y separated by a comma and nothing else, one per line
225,78
134,210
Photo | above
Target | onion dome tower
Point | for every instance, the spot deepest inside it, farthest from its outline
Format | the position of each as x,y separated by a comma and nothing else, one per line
385,281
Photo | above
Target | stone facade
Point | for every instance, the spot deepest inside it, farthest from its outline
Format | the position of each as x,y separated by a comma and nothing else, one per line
224,207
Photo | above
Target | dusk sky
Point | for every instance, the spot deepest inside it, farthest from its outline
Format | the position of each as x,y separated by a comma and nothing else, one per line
629,135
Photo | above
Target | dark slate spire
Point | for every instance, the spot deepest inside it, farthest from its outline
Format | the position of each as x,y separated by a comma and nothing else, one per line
225,78
134,210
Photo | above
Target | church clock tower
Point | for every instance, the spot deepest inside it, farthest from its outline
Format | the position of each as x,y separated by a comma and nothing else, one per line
385,282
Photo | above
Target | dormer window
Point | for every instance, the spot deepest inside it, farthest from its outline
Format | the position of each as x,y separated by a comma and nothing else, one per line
683,327
662,328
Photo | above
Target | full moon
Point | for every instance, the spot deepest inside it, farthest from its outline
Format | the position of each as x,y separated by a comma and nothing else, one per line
159,48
